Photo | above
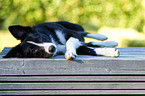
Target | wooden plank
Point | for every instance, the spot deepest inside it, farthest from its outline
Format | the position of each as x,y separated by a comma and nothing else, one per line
84,75
132,53
72,78
74,85
58,66
5,50
136,49
74,92
131,57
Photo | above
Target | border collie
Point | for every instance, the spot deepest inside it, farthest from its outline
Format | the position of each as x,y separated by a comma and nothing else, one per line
49,39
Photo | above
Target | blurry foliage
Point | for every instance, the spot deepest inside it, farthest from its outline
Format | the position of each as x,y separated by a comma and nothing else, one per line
136,43
112,13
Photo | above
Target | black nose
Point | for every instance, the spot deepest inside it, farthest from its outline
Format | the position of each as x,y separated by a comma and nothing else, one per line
52,48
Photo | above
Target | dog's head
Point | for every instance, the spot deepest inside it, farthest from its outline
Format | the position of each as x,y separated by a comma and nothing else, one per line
33,44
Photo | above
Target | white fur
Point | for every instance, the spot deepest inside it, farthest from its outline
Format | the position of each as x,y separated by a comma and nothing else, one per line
52,40
106,43
61,49
97,36
61,36
71,45
45,46
110,52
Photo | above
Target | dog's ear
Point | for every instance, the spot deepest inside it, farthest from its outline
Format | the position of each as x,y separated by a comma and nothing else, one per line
19,31
14,52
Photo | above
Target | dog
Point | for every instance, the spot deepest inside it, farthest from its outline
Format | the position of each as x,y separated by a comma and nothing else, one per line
49,39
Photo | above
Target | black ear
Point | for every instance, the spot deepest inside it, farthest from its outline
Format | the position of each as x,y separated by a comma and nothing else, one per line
14,52
19,31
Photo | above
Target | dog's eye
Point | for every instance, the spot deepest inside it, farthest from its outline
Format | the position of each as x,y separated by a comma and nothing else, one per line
35,51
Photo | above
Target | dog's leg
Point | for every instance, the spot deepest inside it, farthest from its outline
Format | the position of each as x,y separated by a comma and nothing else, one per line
109,52
71,45
102,44
96,36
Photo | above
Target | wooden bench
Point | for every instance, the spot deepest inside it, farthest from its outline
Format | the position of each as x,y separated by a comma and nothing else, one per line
84,75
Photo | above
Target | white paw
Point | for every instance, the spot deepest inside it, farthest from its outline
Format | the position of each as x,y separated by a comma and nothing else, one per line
70,54
109,52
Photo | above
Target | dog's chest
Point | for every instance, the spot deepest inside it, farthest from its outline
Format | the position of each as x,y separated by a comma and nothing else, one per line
61,36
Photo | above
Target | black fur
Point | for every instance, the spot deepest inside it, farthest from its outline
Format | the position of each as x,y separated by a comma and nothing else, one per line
41,33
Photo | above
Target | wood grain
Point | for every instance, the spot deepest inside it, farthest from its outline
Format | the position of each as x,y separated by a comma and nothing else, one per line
85,75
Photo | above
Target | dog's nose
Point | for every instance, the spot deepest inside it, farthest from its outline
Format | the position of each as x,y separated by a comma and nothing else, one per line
52,48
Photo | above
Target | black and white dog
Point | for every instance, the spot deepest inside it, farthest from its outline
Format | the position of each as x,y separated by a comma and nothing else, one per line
53,38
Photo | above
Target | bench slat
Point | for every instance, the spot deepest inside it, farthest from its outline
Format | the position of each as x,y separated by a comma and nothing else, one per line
73,92
52,66
74,85
137,49
84,75
71,78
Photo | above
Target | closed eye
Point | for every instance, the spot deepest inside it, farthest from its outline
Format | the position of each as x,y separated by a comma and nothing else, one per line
34,51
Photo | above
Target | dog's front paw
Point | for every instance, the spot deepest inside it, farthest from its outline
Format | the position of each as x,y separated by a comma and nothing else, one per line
70,54
109,52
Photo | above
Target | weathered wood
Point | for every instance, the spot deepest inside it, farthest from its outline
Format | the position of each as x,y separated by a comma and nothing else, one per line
137,49
85,75
74,92
72,78
58,66
74,85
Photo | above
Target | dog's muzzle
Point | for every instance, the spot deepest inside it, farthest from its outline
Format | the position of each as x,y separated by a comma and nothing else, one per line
50,48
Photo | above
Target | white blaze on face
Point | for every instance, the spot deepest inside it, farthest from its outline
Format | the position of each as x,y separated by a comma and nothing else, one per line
45,46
